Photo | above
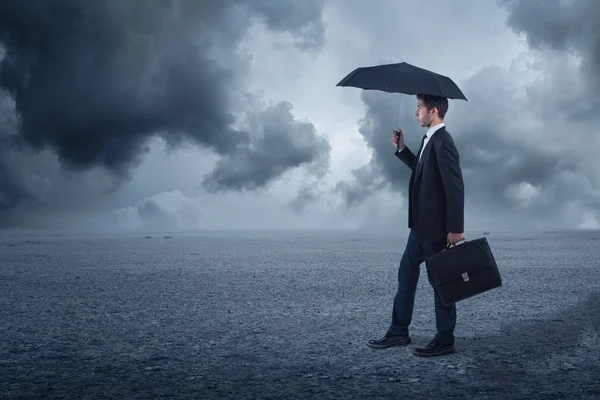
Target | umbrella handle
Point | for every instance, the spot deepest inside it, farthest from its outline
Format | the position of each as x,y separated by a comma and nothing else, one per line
398,140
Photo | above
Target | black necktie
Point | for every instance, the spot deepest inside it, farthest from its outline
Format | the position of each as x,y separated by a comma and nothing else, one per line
421,148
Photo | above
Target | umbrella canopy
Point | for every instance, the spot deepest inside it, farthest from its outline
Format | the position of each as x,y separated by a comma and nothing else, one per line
402,78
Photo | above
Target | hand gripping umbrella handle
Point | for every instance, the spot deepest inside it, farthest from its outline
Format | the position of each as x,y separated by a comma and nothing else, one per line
398,139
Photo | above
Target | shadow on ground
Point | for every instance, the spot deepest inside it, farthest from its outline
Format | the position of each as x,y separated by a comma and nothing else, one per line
559,356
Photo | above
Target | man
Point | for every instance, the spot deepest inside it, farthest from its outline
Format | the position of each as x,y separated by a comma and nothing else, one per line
435,220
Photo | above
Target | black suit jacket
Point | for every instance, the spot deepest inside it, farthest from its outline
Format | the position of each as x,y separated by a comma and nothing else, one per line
436,189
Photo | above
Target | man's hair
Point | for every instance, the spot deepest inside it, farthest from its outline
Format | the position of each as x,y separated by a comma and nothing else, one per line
431,101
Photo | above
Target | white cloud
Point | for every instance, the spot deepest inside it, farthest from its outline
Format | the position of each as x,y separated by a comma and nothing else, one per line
523,193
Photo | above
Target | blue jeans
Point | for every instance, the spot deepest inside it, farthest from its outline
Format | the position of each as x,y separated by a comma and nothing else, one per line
408,275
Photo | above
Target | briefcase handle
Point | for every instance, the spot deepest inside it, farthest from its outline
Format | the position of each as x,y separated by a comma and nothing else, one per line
461,240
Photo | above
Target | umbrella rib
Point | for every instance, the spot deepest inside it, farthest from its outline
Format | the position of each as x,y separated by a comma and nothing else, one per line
435,78
389,85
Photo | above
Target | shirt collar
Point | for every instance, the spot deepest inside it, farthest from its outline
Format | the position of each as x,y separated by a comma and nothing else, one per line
433,129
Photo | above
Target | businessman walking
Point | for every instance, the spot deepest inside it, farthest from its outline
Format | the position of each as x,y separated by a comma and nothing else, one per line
435,220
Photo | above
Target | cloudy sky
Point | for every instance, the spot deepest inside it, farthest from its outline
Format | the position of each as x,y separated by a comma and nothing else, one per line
148,115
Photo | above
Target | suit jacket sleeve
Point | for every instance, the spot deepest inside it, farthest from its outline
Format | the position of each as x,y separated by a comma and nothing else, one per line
406,156
452,179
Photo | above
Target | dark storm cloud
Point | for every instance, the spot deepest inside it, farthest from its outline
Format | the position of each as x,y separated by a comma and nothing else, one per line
384,112
558,28
279,143
523,149
559,25
94,80
491,136
506,172
564,27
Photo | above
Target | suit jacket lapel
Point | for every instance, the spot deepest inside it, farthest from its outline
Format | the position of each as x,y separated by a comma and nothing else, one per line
419,166
417,162
426,151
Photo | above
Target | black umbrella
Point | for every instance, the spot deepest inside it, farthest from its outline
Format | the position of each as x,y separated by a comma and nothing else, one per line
402,78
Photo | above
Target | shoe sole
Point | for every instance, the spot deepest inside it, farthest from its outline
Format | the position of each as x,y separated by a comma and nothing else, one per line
393,344
444,352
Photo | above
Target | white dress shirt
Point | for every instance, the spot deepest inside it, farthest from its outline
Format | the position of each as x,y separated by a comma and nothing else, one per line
428,135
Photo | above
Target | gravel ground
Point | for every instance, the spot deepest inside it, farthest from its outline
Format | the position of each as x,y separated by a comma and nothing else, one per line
271,318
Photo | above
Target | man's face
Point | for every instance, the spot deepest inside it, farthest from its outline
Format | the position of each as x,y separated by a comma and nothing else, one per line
423,115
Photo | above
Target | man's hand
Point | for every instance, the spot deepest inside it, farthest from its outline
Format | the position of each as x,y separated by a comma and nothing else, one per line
454,238
398,139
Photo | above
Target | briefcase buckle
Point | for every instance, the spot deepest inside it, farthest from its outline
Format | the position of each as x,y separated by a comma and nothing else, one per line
465,276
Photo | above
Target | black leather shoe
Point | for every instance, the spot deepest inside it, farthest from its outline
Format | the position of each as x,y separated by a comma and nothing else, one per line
434,348
389,341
